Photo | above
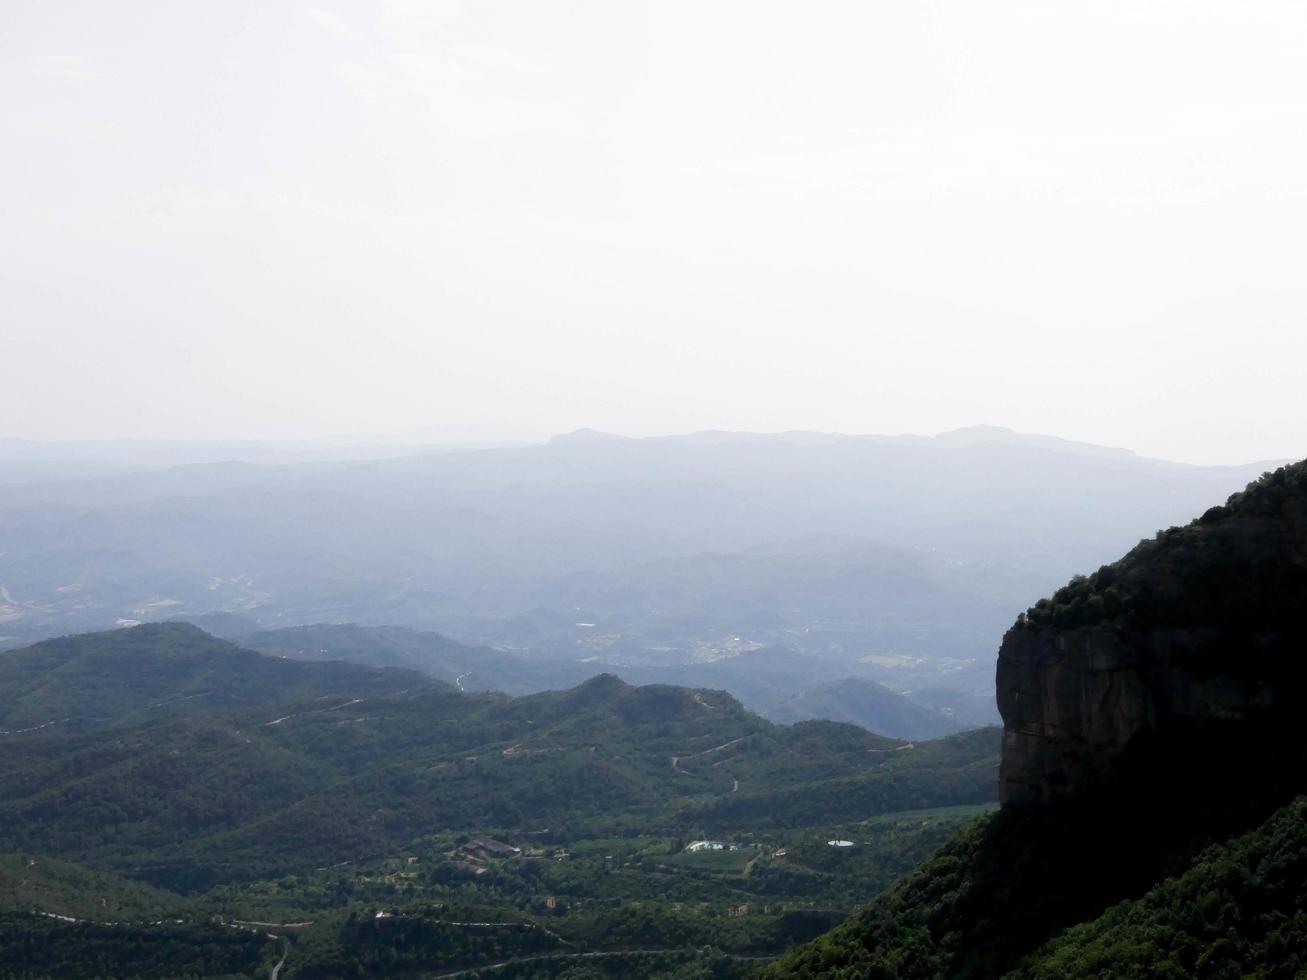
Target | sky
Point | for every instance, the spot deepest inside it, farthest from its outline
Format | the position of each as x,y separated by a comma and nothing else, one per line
500,219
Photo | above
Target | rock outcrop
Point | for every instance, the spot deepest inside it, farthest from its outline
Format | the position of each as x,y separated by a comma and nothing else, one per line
1187,657
1151,710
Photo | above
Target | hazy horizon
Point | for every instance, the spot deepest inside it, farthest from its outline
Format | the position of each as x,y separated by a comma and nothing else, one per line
339,445
489,220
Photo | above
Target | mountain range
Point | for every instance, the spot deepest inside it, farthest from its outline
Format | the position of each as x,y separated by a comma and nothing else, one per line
763,680
884,559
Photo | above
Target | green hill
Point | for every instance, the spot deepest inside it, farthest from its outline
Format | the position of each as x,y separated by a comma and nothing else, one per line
136,841
160,670
194,799
1240,910
856,700
38,947
39,883
470,668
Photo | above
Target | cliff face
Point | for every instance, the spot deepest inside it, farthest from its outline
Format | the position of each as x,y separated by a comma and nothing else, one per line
1189,655
1080,705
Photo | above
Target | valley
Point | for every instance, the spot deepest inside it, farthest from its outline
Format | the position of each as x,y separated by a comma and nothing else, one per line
653,491
345,800
715,559
399,822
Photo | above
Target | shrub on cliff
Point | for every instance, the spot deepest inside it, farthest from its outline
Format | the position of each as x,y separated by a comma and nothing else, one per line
1215,571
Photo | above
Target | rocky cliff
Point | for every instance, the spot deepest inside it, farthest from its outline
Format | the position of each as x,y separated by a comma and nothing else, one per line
1152,710
1187,657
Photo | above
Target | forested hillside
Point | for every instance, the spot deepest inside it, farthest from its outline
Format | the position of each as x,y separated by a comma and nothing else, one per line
1240,910
484,827
154,671
188,802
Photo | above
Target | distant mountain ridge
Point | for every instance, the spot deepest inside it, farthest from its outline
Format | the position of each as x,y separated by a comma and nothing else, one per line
467,668
887,558
966,436
851,698
764,680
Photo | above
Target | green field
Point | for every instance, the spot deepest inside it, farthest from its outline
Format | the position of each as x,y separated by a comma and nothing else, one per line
725,862
964,811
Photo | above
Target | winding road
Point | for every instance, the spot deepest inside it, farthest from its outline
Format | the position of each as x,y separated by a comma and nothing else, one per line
515,961
676,759
285,951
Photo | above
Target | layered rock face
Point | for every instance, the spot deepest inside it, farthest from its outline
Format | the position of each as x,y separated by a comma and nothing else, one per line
1075,704
1189,656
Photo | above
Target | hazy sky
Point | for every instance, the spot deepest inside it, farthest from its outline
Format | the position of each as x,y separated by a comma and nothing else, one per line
494,219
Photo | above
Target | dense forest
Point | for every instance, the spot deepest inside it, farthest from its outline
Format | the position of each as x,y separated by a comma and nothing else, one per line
985,904
1212,571
365,821
1240,910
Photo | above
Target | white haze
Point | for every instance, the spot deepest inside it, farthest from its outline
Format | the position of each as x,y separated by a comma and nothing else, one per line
493,220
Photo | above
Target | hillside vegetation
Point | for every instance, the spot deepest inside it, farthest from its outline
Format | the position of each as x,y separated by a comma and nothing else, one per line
330,797
187,802
80,683
1240,910
1232,570
858,699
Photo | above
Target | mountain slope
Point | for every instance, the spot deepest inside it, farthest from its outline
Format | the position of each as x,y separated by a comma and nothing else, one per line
209,796
160,670
41,883
469,668
859,701
1240,910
